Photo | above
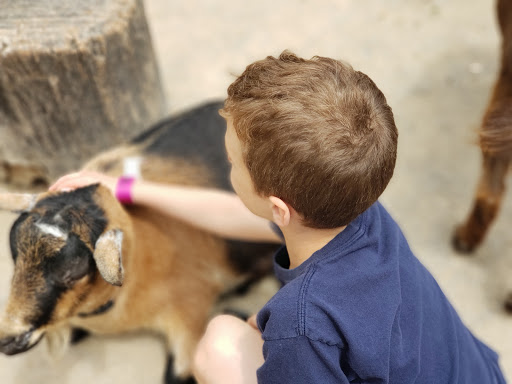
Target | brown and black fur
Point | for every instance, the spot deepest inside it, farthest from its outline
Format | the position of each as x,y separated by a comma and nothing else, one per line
496,146
171,275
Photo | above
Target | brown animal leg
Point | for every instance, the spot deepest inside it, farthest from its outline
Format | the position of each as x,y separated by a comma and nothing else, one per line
508,303
487,203
182,339
170,375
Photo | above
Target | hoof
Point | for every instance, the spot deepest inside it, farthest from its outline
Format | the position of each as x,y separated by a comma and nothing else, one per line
170,376
178,380
508,303
460,243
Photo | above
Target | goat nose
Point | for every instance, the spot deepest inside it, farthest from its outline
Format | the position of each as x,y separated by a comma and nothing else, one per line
12,345
6,341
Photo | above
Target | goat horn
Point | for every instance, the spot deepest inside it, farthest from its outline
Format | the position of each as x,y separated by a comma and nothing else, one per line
17,202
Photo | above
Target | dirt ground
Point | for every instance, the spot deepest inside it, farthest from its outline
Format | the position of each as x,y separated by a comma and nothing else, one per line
435,61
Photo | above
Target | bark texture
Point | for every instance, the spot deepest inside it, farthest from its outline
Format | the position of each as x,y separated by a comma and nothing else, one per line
76,77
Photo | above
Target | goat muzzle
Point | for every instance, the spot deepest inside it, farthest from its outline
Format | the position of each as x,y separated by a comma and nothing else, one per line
12,345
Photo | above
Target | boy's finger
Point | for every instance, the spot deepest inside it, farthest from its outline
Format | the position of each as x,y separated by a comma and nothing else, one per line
57,185
64,182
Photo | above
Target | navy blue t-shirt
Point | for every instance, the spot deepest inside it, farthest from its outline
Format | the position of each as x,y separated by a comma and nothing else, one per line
363,309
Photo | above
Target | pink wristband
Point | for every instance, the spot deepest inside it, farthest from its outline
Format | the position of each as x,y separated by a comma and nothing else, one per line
124,189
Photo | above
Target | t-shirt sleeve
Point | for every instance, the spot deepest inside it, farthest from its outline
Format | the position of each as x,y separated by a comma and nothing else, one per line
299,360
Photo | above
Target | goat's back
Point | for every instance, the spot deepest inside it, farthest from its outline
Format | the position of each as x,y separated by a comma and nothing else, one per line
189,149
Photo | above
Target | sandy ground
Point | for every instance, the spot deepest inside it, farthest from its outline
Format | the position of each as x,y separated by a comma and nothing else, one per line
436,62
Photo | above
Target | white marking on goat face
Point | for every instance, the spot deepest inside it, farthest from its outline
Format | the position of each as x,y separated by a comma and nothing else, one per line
52,230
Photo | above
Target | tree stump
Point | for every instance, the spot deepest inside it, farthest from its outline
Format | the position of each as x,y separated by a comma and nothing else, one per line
76,77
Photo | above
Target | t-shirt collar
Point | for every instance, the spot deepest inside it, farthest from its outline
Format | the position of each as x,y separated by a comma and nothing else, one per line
337,245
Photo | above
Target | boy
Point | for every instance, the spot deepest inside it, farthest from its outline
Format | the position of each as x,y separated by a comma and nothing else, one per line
313,145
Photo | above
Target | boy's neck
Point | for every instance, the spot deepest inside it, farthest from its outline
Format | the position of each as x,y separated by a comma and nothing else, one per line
302,242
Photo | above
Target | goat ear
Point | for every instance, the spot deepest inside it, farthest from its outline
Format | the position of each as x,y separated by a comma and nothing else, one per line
108,256
17,202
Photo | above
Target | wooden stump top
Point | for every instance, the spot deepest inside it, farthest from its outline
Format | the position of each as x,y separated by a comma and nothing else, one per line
76,77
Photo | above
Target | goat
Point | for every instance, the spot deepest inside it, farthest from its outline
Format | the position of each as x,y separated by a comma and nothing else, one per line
496,146
84,261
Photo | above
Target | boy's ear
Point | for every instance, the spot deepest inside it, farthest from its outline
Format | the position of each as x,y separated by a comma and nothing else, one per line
280,211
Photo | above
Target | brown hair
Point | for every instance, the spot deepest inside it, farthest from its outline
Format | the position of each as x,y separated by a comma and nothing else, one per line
316,134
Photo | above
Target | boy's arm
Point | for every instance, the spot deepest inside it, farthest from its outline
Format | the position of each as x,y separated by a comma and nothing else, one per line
216,211
300,360
220,212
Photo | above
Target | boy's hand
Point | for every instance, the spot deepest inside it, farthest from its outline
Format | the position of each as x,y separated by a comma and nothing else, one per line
83,179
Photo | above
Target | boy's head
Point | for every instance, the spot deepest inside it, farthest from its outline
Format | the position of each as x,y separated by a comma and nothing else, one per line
315,133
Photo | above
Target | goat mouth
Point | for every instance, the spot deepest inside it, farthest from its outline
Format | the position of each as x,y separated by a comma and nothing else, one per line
18,344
